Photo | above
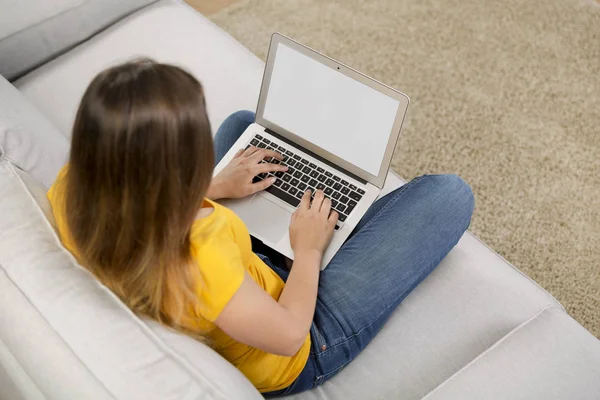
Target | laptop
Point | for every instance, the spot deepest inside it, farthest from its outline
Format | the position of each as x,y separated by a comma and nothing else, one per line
336,129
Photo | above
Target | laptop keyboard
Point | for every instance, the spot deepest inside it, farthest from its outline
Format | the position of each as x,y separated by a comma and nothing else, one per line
303,175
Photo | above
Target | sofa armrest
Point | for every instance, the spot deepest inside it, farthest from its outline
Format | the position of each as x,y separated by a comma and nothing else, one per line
550,356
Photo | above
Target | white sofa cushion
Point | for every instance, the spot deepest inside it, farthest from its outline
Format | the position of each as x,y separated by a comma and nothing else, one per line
65,336
169,31
34,31
548,357
27,138
469,303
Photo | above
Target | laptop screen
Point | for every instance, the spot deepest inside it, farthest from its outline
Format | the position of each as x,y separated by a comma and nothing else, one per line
329,109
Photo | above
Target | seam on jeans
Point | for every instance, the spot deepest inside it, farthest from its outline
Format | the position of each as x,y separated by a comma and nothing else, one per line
355,334
345,339
491,348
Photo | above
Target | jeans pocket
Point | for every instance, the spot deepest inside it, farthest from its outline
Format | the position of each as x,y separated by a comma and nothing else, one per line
319,343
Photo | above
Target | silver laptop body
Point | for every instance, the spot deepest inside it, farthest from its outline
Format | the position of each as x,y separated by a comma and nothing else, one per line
337,130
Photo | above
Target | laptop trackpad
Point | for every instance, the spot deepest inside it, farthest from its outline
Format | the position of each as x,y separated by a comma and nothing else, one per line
268,219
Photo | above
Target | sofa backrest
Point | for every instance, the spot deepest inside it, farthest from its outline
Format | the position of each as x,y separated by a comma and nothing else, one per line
35,31
27,138
63,335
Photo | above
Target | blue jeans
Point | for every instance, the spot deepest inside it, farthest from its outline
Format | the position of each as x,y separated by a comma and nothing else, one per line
399,241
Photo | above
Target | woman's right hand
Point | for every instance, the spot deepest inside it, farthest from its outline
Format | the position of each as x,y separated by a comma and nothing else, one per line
236,179
313,224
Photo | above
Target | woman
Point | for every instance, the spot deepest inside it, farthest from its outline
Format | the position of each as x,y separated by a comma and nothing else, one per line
137,206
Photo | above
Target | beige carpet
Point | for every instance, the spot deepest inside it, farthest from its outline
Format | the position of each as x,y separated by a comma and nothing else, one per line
506,94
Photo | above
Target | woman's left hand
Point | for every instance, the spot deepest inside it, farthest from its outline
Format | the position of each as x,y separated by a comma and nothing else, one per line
235,180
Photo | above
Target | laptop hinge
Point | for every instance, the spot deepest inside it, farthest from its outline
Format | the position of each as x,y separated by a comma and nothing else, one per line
318,157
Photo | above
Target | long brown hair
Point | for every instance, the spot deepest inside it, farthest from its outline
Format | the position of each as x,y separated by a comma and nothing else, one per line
141,162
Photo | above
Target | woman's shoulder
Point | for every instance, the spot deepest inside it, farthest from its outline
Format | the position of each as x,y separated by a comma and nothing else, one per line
216,235
212,225
57,189
56,196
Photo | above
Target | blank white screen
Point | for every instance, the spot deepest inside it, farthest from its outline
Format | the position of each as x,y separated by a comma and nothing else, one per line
329,109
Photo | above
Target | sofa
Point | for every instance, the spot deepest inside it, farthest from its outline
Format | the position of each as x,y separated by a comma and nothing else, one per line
476,328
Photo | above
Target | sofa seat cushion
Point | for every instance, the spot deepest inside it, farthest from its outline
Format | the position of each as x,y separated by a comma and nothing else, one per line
168,31
65,336
548,357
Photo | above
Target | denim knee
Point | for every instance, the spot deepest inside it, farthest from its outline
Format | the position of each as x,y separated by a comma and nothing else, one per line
241,116
455,189
230,131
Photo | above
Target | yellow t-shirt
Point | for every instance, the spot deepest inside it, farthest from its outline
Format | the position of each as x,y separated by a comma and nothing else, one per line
222,250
